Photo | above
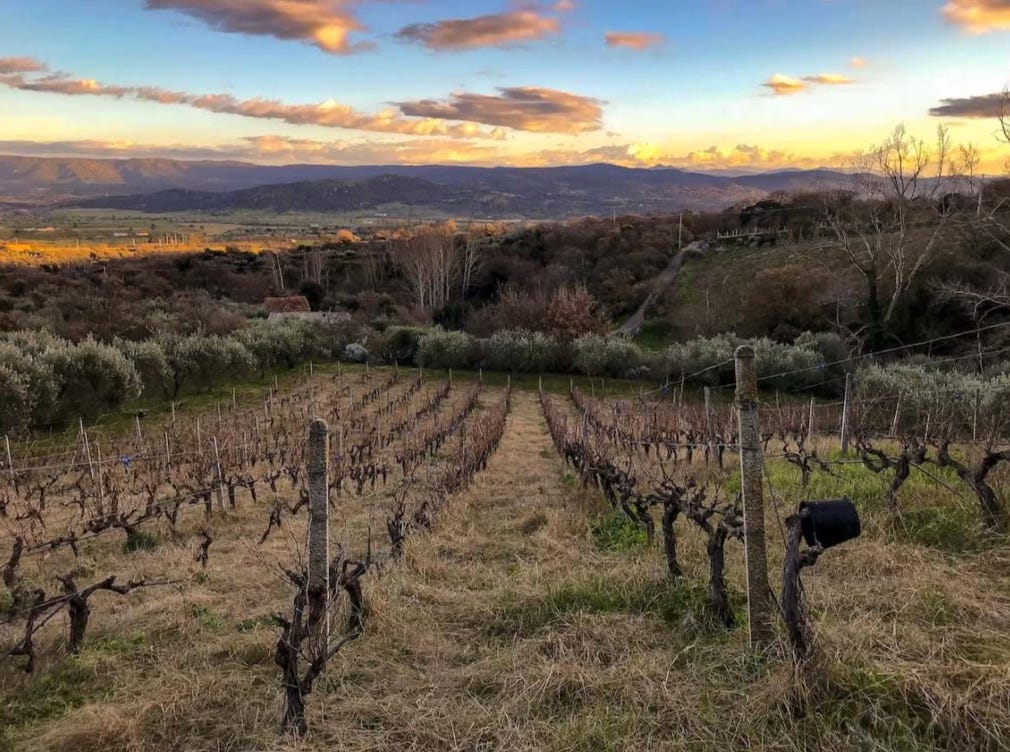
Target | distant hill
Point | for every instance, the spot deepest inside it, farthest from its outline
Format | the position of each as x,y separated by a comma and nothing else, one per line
161,185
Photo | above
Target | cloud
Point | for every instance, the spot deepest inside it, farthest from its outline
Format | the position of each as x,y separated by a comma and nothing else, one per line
329,113
979,16
272,149
327,24
857,62
980,106
21,65
784,85
829,79
525,108
493,30
276,149
633,40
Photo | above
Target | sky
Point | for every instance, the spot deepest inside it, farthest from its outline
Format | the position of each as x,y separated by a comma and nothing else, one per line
698,84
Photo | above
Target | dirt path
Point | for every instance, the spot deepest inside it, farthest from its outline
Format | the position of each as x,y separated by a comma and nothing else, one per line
499,631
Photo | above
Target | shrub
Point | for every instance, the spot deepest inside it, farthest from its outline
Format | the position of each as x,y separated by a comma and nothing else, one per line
522,350
199,362
355,353
710,360
16,399
150,363
401,343
438,348
606,356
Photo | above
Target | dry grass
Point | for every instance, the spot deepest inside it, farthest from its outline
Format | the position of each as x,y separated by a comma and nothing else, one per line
507,628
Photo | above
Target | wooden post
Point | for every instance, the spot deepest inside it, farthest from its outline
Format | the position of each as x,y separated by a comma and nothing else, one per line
87,448
759,605
168,450
234,402
340,456
219,493
140,435
450,378
319,531
101,490
10,459
974,416
540,385
811,424
199,438
845,413
709,438
480,377
173,412
895,422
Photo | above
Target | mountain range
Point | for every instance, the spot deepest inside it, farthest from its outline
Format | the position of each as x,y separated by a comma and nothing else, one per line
164,185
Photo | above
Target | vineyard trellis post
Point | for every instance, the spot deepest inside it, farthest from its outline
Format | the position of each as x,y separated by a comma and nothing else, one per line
219,490
87,447
759,606
895,423
811,422
709,436
319,529
10,460
846,405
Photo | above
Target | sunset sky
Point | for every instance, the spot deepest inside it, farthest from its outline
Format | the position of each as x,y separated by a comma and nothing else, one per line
703,84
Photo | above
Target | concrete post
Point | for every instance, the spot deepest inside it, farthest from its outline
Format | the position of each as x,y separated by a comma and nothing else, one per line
759,605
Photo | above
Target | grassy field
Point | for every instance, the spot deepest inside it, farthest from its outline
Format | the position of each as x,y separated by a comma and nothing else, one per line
533,617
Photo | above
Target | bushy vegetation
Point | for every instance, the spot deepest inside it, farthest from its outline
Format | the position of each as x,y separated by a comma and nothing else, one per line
46,379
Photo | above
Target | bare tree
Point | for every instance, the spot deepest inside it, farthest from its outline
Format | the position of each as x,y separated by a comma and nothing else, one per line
470,261
894,226
431,265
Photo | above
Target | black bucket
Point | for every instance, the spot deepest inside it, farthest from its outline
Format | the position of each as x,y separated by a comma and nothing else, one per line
829,522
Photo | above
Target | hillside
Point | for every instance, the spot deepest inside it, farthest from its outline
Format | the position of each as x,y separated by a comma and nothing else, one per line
498,192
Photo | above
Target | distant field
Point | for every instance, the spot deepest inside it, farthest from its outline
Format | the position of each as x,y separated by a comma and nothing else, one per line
69,234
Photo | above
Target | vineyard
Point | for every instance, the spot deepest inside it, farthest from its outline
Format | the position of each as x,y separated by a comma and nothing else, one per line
509,569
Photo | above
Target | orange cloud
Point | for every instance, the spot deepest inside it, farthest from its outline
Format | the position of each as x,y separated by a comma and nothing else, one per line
275,149
784,85
494,30
327,24
829,79
330,113
633,40
857,62
524,108
979,16
21,65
